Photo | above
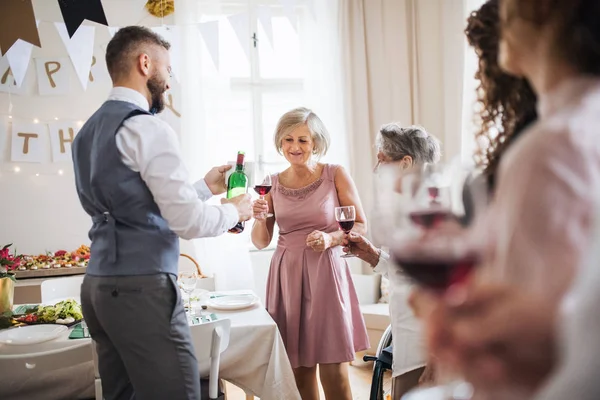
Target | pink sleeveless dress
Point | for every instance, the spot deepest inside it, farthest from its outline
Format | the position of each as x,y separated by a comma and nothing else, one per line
310,294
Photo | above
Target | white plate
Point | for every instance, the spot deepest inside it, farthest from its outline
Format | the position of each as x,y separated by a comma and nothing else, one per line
31,334
233,301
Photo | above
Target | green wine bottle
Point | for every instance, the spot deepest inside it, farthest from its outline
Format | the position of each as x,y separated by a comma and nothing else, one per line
236,185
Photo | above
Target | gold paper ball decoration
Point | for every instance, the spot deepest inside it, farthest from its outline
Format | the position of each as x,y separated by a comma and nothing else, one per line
160,8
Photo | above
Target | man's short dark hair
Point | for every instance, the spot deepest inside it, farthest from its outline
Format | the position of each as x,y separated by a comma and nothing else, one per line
123,46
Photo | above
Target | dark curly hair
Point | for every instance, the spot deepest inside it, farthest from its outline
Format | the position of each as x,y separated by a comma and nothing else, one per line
506,104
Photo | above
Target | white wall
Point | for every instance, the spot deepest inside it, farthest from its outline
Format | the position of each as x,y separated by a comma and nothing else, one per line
42,212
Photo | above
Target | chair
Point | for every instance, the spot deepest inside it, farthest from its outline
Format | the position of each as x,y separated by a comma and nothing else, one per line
61,288
50,371
210,340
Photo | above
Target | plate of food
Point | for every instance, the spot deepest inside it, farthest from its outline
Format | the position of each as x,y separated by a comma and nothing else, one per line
25,335
233,301
66,312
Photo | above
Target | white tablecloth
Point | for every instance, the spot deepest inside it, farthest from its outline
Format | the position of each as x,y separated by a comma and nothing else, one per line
255,361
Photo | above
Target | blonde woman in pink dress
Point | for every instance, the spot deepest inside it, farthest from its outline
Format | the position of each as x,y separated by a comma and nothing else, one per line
310,293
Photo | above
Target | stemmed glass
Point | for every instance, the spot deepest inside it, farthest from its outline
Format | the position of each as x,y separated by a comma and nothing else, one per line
411,207
187,282
345,217
263,186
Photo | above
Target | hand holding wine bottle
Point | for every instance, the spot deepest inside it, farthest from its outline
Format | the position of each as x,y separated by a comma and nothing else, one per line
215,179
243,204
237,186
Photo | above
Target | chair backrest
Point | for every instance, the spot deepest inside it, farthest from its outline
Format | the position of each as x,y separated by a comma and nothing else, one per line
203,337
61,288
23,366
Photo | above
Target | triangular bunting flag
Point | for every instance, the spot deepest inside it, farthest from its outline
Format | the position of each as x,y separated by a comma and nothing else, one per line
18,57
265,16
241,27
289,9
80,48
210,33
17,21
112,30
74,12
311,7
169,33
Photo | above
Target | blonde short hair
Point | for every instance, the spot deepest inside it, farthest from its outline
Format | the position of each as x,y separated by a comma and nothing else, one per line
298,117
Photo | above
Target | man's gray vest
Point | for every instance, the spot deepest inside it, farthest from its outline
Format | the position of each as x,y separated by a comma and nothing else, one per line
129,236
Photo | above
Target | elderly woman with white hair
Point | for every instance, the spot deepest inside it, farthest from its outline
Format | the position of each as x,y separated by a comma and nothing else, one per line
404,147
310,293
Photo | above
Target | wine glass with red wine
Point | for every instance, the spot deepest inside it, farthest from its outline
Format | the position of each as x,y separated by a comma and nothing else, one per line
431,202
262,187
345,217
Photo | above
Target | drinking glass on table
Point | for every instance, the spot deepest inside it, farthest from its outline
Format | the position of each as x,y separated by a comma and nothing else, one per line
345,217
263,185
187,282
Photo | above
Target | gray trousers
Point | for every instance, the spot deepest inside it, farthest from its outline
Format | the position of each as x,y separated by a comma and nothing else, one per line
142,337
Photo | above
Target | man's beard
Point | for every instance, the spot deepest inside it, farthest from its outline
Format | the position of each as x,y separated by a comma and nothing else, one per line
156,87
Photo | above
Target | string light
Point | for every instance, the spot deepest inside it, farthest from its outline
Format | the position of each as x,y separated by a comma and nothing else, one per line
37,174
60,172
35,120
17,169
56,118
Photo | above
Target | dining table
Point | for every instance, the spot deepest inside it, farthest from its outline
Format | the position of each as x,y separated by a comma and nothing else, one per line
255,360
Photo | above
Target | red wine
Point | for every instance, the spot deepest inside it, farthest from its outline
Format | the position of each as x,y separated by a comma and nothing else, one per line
346,226
430,218
437,273
262,190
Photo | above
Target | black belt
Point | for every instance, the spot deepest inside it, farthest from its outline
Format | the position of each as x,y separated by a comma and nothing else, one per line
107,218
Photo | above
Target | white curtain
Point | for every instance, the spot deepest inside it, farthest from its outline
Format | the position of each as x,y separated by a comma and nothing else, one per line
206,92
403,62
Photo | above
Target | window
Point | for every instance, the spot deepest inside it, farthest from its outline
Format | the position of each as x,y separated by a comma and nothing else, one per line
245,97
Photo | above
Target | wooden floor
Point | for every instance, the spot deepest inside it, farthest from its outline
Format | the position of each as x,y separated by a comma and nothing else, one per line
360,381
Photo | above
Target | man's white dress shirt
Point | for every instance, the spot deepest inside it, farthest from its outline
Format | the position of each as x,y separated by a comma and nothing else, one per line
148,145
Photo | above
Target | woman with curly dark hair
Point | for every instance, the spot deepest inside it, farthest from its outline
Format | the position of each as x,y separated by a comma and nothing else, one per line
507,103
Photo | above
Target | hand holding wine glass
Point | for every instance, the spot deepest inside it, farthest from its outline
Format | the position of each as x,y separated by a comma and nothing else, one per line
345,217
262,187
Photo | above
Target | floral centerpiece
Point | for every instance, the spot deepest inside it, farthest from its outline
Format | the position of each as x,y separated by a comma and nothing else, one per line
8,263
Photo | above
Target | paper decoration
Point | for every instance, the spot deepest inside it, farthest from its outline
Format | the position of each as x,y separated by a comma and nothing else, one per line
80,48
7,80
53,76
28,142
210,33
112,30
74,12
18,57
311,7
61,138
289,9
99,72
241,26
265,15
171,35
17,21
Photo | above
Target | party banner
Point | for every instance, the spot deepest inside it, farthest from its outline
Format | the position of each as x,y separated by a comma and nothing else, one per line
8,83
74,12
265,16
17,21
241,26
19,56
53,76
61,138
80,48
210,34
28,142
289,9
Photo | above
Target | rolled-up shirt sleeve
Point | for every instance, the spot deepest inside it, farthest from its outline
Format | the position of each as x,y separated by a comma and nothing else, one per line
149,146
